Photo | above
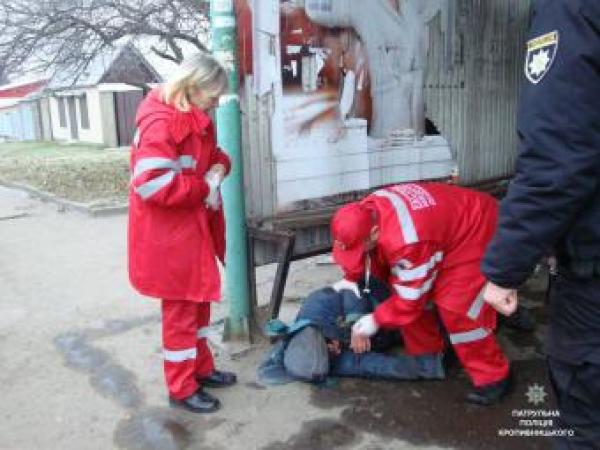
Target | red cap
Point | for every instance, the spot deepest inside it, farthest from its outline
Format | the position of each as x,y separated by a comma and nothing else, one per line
350,227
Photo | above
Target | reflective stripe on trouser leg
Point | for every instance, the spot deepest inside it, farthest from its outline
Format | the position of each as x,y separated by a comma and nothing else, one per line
423,336
204,362
475,309
475,345
179,330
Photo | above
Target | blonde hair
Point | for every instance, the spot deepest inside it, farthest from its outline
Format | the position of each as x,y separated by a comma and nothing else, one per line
200,71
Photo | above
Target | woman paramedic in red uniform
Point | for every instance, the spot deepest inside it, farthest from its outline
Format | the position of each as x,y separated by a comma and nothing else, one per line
176,223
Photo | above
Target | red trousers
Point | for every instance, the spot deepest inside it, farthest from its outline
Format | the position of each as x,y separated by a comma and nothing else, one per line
423,336
186,352
473,341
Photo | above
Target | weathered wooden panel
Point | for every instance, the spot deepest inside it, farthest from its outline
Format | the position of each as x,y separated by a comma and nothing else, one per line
258,168
256,148
475,62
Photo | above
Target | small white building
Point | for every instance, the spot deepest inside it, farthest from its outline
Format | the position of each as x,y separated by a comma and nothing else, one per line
99,106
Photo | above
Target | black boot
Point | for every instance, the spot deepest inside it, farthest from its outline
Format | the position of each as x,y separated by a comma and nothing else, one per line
198,402
490,394
219,378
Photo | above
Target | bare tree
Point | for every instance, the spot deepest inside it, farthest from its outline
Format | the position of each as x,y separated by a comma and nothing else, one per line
67,35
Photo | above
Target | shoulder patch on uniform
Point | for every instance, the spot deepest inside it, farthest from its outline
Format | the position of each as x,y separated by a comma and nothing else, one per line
541,52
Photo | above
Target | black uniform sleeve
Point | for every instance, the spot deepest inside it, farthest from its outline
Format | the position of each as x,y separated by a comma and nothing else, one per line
558,161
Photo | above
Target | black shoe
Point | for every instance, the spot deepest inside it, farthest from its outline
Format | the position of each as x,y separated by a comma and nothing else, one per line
219,378
198,402
490,394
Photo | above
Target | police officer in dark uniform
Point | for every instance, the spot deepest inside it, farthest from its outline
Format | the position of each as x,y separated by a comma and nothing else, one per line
553,205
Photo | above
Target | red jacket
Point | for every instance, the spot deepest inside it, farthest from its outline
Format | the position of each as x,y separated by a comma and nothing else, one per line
432,239
174,239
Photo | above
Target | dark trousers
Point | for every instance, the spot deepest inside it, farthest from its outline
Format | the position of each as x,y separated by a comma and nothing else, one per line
383,366
577,389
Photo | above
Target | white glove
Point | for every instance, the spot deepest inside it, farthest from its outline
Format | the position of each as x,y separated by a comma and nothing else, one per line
365,326
213,199
348,285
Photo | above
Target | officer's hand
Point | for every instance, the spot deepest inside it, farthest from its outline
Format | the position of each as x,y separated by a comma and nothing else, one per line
360,343
503,300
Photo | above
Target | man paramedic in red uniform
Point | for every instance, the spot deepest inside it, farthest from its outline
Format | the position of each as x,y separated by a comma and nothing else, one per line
427,240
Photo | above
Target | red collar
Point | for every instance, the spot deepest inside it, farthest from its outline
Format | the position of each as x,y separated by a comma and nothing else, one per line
184,123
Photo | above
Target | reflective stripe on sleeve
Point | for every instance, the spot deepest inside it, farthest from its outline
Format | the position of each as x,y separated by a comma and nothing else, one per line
413,294
419,271
149,188
180,355
157,162
187,162
404,218
469,336
146,164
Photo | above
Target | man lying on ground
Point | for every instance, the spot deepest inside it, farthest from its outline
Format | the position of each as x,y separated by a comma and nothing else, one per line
317,344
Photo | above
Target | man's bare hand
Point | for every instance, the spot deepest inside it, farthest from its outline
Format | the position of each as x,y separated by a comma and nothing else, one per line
501,299
360,343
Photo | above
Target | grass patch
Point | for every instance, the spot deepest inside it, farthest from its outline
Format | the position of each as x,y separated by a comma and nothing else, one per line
82,173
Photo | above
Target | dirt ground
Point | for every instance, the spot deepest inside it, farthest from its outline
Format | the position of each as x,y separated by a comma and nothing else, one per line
82,365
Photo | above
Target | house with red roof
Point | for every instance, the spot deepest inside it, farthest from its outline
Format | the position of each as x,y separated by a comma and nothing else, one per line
22,89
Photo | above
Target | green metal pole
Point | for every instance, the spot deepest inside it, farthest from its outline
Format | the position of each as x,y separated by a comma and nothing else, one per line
224,45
